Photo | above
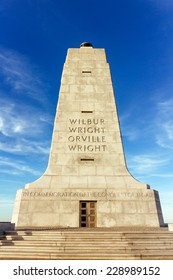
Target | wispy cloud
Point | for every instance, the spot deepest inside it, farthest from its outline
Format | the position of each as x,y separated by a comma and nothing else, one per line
4,203
165,106
18,73
146,164
164,137
164,175
130,130
24,147
21,119
164,123
22,128
16,167
23,115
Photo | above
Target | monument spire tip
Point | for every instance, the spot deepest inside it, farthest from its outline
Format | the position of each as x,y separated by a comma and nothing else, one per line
86,44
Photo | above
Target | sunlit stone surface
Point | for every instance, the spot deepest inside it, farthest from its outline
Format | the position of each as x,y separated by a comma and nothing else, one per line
87,163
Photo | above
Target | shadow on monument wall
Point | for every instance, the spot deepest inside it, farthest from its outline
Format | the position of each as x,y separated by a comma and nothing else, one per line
159,209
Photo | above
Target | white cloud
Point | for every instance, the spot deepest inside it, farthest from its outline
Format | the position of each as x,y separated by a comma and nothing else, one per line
164,123
18,73
6,203
16,167
165,106
146,164
22,124
130,130
163,140
164,175
20,119
24,147
168,127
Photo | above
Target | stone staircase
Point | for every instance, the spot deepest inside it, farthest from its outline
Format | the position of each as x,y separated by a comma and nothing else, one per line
87,244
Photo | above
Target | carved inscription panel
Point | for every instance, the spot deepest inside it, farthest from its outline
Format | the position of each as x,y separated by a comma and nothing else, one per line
103,195
86,135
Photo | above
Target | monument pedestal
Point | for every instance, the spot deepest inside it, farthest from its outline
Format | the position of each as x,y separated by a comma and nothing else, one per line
87,183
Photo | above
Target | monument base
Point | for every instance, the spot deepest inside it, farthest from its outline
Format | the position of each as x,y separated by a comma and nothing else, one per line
88,208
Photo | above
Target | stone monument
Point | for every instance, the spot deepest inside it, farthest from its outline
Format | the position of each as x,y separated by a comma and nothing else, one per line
87,183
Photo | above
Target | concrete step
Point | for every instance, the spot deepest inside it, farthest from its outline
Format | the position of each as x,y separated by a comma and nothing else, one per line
85,256
89,233
87,244
85,239
87,249
88,230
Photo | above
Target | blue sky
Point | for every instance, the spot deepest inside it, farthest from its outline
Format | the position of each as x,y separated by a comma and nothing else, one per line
138,38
